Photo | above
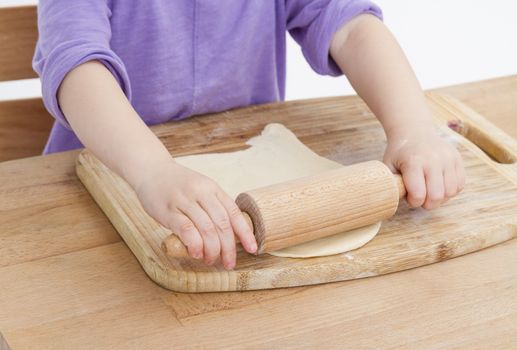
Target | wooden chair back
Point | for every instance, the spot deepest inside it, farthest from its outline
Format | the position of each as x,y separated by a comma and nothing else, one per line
24,124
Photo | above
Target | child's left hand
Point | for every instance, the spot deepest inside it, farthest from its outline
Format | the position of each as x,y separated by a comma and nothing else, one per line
431,168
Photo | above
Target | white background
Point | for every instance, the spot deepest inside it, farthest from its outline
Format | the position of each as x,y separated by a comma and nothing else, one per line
447,41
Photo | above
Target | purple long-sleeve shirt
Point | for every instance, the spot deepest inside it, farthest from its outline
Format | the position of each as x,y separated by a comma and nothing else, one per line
177,58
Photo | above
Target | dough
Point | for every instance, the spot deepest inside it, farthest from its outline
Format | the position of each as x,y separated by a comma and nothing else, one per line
276,156
330,245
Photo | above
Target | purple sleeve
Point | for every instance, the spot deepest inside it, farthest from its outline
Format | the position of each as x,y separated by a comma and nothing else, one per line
312,23
72,33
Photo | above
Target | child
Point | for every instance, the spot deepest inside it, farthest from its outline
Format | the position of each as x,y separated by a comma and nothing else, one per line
109,67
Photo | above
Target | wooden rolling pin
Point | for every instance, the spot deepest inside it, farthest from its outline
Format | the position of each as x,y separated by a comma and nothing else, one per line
317,206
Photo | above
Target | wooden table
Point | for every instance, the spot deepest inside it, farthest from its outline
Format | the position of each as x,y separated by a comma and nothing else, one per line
67,281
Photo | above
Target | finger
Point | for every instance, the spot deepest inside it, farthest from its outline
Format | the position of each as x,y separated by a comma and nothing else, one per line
205,226
414,181
239,224
435,188
450,180
188,233
220,218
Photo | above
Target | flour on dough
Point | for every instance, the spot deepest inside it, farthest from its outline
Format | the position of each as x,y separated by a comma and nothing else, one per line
276,156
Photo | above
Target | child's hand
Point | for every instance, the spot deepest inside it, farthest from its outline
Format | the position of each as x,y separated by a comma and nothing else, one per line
197,210
431,168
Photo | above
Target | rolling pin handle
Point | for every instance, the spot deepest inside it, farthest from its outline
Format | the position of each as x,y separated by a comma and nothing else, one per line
174,247
400,185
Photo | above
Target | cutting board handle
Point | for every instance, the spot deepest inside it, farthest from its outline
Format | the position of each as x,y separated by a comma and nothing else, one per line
495,143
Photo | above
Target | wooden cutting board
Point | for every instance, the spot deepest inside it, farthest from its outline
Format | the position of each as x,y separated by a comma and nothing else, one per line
484,214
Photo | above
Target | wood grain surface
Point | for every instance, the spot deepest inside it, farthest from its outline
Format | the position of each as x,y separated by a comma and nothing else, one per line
68,282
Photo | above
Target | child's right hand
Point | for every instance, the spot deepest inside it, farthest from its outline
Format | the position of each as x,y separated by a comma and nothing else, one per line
196,209
191,205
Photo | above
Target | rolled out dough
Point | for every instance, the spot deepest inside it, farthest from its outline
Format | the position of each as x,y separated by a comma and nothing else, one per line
276,156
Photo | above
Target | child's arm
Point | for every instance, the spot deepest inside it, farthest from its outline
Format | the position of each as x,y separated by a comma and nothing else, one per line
190,204
372,60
